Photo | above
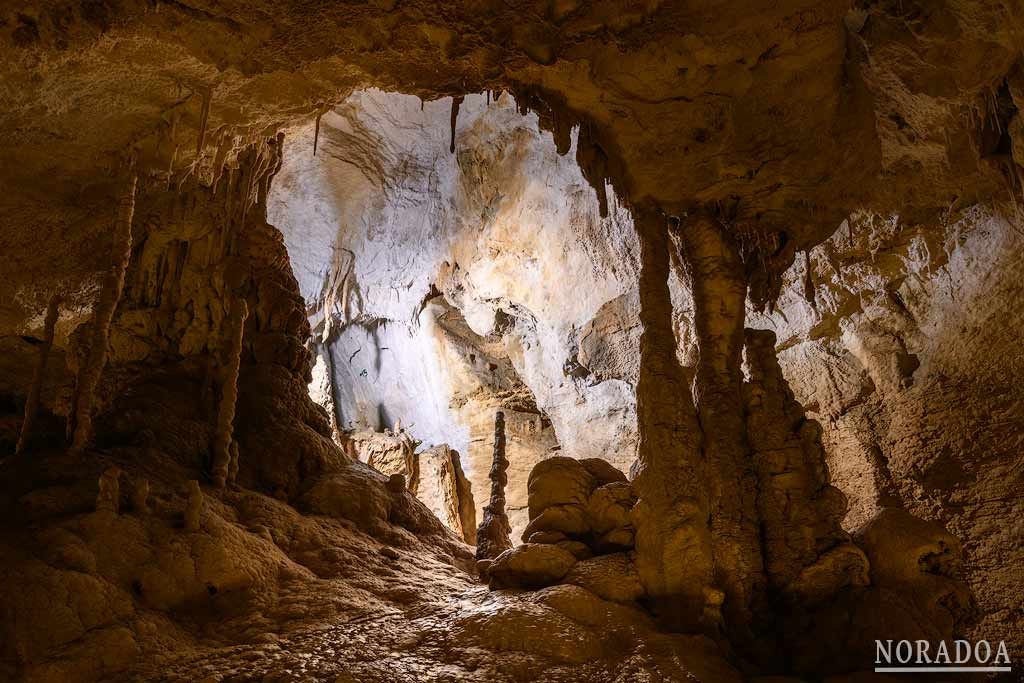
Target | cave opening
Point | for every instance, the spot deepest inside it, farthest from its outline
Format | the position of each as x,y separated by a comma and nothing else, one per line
434,278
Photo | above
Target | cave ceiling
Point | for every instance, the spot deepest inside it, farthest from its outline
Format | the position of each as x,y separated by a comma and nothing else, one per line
782,117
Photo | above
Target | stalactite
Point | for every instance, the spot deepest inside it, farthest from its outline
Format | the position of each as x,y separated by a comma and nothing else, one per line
809,291
456,103
32,402
229,392
719,287
493,534
673,543
593,162
204,117
80,418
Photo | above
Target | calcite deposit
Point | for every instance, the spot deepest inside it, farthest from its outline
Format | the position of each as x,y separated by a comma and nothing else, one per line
571,340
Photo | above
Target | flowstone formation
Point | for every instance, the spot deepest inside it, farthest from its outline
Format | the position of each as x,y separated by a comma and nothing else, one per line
902,574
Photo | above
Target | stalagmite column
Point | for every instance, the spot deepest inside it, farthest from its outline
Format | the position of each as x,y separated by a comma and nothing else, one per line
719,287
493,534
140,496
32,402
108,499
194,507
673,543
807,554
80,419
229,393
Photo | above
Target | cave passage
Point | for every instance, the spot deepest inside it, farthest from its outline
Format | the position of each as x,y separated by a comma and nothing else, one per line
434,281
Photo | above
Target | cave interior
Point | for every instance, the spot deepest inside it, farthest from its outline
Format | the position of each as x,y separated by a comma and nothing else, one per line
533,340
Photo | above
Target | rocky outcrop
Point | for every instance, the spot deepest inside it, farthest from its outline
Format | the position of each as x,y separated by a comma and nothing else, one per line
442,486
387,452
911,325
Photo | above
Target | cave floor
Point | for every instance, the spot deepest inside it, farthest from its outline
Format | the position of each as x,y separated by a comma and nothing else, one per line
266,591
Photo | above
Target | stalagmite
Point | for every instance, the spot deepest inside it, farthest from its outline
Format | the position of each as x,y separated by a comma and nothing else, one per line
493,534
80,418
316,131
32,402
456,103
108,499
673,542
807,553
229,393
193,506
140,496
719,287
233,464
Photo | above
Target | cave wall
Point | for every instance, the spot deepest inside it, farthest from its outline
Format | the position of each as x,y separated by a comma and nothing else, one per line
903,344
446,284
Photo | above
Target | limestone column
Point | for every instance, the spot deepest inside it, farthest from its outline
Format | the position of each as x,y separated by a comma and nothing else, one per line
80,418
32,402
673,541
222,436
719,287
493,534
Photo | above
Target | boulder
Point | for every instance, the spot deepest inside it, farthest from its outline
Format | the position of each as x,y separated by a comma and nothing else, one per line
612,577
570,520
609,506
581,551
531,565
603,471
559,481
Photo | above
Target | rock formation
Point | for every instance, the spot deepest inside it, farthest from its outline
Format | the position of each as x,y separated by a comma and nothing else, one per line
742,279
39,376
442,486
80,418
492,536
223,454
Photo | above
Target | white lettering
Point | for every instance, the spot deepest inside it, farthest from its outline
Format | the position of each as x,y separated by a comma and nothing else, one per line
883,649
942,654
977,651
1002,656
903,656
963,651
922,652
